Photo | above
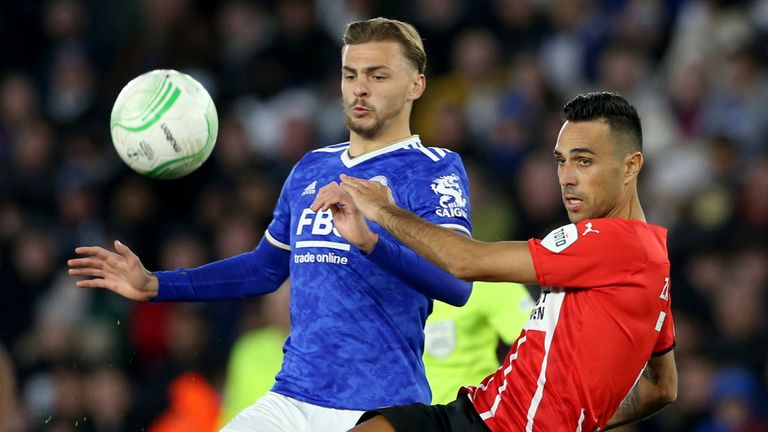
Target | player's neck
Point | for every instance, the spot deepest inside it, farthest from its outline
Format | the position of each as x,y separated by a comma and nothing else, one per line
630,210
636,211
359,145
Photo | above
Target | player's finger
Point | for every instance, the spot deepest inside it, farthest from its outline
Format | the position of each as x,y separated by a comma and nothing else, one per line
86,272
321,203
350,189
354,181
93,251
330,186
331,196
324,199
317,204
336,211
123,249
86,262
92,283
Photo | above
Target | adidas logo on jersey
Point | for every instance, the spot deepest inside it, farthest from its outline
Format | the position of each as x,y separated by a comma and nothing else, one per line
311,189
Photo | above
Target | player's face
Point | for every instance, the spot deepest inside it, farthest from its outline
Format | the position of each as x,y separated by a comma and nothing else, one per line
377,85
590,173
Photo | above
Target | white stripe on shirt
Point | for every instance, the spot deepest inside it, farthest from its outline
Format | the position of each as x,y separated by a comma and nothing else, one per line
276,242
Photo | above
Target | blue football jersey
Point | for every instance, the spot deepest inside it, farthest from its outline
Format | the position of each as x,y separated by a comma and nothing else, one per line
357,336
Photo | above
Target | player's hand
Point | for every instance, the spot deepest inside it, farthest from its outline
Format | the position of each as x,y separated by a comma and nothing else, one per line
347,219
121,272
369,196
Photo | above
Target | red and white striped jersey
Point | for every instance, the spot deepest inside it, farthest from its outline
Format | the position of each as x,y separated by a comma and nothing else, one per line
603,311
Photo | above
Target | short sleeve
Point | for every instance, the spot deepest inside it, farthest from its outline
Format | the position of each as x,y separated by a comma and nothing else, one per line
665,325
279,230
589,254
438,192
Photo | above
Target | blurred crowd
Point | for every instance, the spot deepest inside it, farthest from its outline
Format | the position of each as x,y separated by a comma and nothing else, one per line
499,72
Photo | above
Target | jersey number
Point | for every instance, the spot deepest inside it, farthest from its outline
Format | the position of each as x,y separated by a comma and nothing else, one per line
665,291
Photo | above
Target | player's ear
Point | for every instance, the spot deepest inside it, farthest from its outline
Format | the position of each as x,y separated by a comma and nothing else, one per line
417,87
633,163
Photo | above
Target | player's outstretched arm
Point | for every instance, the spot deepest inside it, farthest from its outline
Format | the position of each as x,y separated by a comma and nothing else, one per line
656,388
415,271
120,271
459,255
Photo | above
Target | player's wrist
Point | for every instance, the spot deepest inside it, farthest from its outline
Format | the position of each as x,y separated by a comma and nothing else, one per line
367,245
385,213
152,287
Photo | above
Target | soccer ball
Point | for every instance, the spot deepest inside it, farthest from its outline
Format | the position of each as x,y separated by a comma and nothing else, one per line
164,124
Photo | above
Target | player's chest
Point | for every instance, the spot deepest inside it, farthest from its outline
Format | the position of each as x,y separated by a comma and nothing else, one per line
305,187
546,313
307,184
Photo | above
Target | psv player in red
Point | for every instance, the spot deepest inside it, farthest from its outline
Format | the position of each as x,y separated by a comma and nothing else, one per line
597,351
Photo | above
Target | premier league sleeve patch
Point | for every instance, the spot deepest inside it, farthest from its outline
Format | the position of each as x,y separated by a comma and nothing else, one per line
558,240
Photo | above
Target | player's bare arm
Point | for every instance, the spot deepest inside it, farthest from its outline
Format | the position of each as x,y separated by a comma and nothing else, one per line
120,271
656,388
461,256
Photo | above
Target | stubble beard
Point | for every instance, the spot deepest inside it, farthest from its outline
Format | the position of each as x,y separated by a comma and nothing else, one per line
372,131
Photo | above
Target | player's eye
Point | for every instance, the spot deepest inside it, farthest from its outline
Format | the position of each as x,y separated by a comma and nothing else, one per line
378,78
349,77
585,162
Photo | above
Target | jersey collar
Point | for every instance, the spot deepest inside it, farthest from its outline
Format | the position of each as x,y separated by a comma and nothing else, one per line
349,162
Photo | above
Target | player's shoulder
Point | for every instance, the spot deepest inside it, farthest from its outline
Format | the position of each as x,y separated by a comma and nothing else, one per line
620,228
429,155
609,225
333,148
438,154
600,232
322,154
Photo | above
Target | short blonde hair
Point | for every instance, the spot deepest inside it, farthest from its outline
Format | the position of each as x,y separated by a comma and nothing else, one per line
385,29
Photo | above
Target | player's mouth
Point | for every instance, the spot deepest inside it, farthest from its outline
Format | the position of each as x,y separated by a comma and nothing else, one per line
572,203
360,110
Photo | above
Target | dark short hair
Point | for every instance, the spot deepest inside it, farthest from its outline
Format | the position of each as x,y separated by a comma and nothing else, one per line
389,30
611,107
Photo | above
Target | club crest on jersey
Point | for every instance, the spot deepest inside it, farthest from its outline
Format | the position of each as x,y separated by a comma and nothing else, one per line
559,239
452,201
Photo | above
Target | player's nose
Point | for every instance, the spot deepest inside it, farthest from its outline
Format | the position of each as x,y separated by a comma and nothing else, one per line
566,175
360,89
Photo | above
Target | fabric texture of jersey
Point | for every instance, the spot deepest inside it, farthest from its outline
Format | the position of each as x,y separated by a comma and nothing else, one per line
603,311
461,342
358,330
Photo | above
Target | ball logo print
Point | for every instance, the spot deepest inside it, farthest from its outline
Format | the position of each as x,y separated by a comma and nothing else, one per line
164,124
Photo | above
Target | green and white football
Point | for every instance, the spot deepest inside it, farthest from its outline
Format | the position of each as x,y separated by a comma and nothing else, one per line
164,124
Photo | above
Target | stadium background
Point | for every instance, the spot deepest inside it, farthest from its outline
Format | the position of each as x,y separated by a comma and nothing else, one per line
499,72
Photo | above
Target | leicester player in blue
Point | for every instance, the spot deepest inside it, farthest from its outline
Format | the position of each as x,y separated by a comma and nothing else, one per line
357,320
